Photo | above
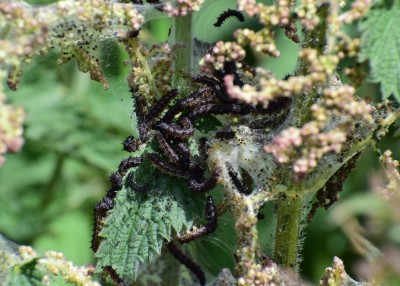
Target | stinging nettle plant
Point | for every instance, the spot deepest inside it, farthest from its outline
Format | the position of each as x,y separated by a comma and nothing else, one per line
217,137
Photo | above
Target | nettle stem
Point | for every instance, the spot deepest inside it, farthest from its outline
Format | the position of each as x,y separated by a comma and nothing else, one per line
287,233
182,36
246,228
289,214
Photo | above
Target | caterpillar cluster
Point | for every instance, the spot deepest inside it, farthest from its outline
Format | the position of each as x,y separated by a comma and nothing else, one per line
170,123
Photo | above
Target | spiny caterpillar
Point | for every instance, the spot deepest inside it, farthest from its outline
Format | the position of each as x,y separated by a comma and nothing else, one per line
189,263
210,227
130,144
227,14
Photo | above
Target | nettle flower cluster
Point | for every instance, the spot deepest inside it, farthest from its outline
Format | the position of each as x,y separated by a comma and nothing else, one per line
392,175
11,130
54,264
303,147
182,7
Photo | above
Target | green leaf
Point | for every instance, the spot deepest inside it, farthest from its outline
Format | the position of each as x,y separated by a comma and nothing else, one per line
25,275
141,222
380,44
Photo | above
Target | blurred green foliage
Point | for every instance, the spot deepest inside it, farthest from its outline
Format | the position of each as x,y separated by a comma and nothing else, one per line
73,133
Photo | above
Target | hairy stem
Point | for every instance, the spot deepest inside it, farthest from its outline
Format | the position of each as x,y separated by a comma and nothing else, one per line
183,37
288,226
287,233
246,228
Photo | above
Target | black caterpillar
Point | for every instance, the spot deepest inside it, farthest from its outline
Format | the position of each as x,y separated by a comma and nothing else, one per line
227,14
189,263
210,227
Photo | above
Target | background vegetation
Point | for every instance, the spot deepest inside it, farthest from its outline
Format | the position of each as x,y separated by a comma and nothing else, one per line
73,137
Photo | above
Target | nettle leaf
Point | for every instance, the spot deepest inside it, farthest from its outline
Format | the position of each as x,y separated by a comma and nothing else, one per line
25,275
141,222
380,44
